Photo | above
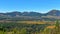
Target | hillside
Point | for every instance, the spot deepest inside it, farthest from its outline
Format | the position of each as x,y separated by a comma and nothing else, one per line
16,15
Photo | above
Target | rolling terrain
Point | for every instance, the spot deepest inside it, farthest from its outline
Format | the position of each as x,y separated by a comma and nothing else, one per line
30,22
31,16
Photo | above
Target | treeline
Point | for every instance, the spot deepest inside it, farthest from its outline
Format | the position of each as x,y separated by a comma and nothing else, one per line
53,30
23,28
20,28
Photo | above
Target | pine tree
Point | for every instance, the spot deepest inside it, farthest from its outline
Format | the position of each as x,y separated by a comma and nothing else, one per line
57,27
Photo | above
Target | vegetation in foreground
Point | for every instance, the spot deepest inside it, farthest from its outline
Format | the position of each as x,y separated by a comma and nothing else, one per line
23,28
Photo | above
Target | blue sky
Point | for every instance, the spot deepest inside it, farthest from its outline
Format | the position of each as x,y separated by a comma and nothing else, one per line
42,6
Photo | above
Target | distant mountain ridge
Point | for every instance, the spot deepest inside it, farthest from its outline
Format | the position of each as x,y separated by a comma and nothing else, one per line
53,14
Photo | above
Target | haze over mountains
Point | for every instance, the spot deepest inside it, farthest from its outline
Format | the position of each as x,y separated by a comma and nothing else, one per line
51,15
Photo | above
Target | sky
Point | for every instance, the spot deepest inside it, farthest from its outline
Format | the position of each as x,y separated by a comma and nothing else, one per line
42,6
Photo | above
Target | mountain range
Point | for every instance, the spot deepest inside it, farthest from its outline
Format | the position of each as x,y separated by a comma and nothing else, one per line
16,15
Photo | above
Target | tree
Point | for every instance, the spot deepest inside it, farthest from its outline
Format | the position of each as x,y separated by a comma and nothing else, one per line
57,27
16,31
23,31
